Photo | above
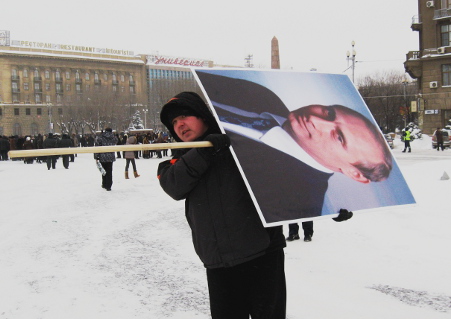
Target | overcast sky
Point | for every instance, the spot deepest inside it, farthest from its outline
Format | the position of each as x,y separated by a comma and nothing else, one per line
311,34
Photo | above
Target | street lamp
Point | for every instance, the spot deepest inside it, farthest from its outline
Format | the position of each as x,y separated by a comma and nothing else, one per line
49,106
351,57
405,82
145,117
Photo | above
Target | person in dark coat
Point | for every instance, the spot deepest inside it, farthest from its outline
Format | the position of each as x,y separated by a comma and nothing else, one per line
4,148
244,260
439,138
66,142
51,142
107,138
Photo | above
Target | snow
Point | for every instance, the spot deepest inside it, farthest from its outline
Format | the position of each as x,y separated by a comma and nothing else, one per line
71,250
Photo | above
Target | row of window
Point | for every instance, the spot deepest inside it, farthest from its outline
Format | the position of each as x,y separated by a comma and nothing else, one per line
38,111
58,87
17,129
169,74
58,75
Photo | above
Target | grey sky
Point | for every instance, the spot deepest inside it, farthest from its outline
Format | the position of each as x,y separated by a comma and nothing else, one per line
311,34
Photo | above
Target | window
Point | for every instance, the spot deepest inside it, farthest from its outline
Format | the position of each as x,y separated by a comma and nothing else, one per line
25,73
1,111
67,87
87,76
114,88
16,111
47,99
87,87
47,86
67,75
445,31
114,78
131,78
446,4
34,129
122,89
14,73
446,74
39,111
57,75
25,86
37,98
122,78
27,111
58,87
77,76
14,86
78,88
96,76
17,130
58,98
36,73
47,74
105,76
15,98
132,89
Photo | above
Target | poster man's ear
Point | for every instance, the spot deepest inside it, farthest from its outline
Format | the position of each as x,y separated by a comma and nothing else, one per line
356,175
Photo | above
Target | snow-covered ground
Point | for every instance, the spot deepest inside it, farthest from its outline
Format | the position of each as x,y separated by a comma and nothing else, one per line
69,249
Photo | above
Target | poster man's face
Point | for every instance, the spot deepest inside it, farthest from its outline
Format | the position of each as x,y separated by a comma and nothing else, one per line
335,137
189,128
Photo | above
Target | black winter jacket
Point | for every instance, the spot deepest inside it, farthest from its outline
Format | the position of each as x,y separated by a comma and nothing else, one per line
226,228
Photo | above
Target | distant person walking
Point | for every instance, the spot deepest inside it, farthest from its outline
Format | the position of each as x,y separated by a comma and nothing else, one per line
439,138
130,157
407,139
63,143
51,142
107,138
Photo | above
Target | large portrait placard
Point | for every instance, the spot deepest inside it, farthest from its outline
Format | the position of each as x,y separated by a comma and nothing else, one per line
306,143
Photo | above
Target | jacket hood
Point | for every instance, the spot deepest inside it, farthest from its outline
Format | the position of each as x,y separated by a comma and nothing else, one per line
196,104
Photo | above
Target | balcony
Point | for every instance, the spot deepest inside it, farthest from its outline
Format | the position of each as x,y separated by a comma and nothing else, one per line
78,81
38,78
442,14
59,91
15,90
38,90
97,82
115,82
15,78
59,79
413,64
416,23
132,83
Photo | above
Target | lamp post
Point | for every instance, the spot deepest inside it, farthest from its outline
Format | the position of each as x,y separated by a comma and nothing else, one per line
49,106
405,82
351,57
145,117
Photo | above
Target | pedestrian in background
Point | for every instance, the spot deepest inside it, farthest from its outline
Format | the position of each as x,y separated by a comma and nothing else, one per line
130,157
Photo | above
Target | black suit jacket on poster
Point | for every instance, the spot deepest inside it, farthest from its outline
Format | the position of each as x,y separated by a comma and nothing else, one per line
285,188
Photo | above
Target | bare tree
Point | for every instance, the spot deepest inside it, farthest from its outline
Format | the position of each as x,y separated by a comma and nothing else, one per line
388,97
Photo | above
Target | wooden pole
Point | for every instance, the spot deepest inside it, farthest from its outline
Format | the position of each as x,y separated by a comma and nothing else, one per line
106,149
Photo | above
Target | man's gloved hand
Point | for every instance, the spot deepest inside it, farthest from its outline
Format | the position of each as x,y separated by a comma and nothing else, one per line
219,141
343,215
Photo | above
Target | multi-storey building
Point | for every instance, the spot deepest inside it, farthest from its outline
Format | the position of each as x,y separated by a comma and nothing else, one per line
431,65
48,87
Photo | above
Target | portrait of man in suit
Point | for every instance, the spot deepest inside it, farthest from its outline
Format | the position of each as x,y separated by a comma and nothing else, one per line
288,156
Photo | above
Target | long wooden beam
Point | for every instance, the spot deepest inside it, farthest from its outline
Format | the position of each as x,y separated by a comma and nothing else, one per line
106,149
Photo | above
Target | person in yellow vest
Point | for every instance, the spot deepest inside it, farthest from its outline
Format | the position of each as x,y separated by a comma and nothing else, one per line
406,140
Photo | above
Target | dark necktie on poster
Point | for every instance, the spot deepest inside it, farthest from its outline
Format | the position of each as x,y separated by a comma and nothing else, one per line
257,123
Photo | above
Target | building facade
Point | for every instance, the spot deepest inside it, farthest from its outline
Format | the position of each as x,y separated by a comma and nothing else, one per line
47,87
431,64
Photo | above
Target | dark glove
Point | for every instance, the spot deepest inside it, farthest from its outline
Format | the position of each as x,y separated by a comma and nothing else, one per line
219,141
343,215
